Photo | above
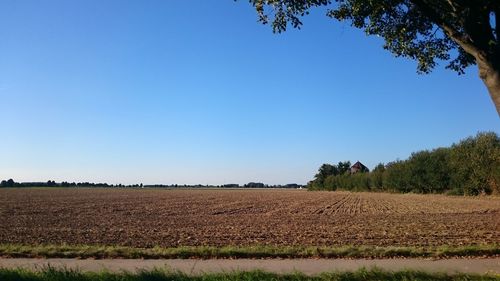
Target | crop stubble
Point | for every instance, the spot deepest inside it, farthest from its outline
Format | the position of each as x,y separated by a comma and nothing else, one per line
169,218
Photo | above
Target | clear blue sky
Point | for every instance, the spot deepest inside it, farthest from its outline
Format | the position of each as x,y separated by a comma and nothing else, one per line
199,92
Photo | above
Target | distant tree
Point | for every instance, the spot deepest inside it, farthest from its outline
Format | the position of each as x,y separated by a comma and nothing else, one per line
255,185
461,32
331,183
359,181
324,171
344,167
397,176
51,183
377,176
8,183
475,163
429,171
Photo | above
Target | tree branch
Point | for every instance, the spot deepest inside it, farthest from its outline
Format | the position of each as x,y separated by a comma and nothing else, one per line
452,5
449,30
460,39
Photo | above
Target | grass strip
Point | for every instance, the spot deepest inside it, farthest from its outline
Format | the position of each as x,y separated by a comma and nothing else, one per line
260,251
54,274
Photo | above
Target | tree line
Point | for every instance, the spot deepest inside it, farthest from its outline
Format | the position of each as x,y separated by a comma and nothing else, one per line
51,183
469,167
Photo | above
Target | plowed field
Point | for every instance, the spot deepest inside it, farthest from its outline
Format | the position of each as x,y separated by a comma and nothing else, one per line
167,218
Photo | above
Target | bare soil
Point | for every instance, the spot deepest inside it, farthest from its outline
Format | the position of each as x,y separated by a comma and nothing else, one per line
169,218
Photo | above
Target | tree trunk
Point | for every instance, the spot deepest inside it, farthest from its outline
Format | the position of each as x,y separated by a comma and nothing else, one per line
490,74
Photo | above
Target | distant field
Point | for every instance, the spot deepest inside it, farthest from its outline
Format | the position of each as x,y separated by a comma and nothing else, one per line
171,218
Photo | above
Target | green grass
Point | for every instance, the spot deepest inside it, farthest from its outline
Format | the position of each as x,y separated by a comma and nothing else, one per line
207,252
52,274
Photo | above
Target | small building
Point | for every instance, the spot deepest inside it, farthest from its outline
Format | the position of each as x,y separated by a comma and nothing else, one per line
358,167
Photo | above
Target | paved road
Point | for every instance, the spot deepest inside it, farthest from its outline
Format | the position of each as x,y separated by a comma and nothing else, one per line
307,266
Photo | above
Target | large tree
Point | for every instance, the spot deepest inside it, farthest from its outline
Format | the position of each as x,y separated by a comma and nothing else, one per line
460,32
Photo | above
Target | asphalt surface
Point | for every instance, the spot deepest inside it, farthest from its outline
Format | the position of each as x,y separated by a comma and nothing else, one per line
306,266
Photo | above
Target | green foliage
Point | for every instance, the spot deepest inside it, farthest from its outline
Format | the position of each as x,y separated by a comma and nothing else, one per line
377,176
427,31
471,167
324,171
343,167
397,177
326,176
427,171
256,251
476,164
58,274
331,183
323,178
407,30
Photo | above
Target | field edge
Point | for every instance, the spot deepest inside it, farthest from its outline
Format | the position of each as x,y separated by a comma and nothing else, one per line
248,252
50,273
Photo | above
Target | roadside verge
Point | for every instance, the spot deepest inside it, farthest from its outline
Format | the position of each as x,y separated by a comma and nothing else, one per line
247,252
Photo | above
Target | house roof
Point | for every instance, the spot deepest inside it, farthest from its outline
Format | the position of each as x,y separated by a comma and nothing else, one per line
358,165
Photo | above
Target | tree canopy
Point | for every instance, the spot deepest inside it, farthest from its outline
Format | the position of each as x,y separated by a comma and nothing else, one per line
470,167
458,32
